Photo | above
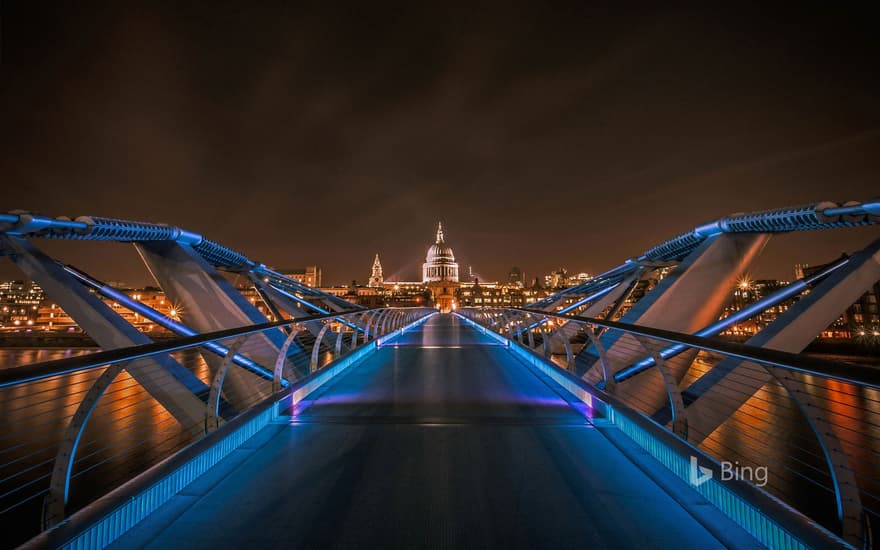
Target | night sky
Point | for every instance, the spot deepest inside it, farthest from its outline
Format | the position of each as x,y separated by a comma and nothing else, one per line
542,137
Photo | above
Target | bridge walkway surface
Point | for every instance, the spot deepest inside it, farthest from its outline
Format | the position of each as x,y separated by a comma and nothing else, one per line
441,439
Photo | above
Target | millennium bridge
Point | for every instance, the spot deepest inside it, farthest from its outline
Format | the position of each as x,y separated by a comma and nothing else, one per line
569,423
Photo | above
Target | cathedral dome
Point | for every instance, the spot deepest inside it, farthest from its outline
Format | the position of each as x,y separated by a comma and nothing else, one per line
440,261
439,253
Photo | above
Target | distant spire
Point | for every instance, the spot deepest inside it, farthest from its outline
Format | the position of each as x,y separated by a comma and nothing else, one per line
440,233
376,278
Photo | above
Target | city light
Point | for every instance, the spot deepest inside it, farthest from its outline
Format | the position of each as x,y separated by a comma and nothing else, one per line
175,312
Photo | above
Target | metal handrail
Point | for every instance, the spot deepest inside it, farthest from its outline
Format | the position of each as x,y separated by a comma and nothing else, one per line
39,371
804,364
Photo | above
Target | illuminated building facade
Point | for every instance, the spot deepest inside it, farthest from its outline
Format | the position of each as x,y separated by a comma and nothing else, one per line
52,318
440,264
560,279
861,320
440,273
747,292
376,278
515,276
19,303
511,294
309,276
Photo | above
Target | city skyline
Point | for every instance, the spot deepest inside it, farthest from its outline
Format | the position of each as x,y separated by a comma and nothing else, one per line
434,274
399,267
26,308
536,135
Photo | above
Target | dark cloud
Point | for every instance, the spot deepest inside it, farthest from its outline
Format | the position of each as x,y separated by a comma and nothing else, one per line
541,135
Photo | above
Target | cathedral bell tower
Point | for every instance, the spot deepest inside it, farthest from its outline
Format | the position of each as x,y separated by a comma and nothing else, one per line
376,278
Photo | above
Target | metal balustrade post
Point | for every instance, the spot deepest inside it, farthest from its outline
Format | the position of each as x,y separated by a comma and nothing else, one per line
854,527
512,322
340,336
383,327
530,336
388,318
506,324
369,324
545,340
604,361
499,317
281,360
55,502
486,318
388,322
316,348
359,323
388,325
401,319
519,329
212,409
569,354
377,323
676,402
531,326
489,319
391,321
562,338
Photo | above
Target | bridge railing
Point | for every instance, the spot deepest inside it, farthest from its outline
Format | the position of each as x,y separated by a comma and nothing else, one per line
803,429
73,429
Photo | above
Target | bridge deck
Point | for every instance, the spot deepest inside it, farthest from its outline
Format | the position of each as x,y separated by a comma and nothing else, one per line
440,439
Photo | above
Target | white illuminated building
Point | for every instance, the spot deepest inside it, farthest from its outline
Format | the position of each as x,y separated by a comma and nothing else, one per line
440,262
376,278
